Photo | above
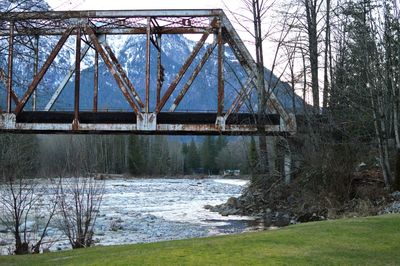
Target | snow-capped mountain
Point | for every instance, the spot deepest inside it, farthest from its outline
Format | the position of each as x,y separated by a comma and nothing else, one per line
202,95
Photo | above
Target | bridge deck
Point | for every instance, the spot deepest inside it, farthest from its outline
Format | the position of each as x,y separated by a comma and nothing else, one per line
171,123
130,118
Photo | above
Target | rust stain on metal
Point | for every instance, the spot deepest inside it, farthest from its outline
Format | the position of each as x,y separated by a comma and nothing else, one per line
96,81
112,31
160,70
147,80
4,78
220,72
75,123
64,15
9,125
108,63
123,75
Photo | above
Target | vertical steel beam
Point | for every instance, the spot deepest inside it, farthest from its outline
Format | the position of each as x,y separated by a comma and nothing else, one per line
75,123
196,71
10,65
181,72
108,63
160,71
148,32
96,81
42,71
220,72
35,67
4,78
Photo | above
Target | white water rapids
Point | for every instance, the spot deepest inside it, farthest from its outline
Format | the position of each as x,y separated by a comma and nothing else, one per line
149,210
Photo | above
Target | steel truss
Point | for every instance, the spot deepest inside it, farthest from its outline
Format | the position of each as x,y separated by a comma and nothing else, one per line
90,29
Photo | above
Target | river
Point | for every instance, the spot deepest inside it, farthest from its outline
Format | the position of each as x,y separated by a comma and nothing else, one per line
149,210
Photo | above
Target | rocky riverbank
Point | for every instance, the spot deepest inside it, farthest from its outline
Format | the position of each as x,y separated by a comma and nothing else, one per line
290,206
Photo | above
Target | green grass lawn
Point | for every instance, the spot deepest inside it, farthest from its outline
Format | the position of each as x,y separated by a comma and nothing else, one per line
359,241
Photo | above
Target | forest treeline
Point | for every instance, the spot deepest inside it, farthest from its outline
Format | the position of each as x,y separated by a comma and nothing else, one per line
66,155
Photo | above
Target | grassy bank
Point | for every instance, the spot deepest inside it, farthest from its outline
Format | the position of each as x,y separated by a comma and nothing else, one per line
365,241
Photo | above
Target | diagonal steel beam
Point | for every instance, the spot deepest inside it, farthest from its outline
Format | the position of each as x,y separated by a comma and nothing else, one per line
122,73
3,77
238,102
96,82
64,82
108,63
196,71
181,72
43,71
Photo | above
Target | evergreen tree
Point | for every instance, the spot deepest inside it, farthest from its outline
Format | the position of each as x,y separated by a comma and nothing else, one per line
208,151
220,144
18,156
185,151
160,156
136,161
350,102
193,157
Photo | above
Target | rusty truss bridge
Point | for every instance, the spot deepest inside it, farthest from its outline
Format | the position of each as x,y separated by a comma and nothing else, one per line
88,31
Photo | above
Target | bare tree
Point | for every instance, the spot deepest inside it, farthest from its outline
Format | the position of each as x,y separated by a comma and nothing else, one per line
273,28
19,202
79,203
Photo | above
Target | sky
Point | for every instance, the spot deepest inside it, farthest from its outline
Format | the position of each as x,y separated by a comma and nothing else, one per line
138,4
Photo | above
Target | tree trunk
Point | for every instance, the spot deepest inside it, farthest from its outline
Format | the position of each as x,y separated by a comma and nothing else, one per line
261,88
287,167
378,132
311,13
396,183
326,60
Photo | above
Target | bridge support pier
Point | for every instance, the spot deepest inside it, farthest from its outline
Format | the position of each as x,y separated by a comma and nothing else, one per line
147,122
221,122
8,120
